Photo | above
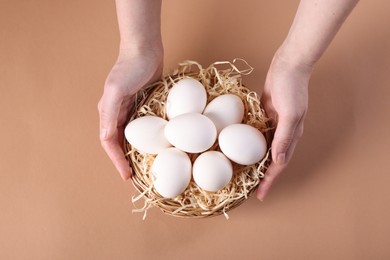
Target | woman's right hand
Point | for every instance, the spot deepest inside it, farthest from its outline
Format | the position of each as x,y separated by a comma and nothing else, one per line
285,100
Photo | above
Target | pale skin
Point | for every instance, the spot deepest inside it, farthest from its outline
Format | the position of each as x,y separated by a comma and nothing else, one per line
285,94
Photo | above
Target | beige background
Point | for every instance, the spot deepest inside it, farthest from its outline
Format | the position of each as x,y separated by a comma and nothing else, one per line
60,197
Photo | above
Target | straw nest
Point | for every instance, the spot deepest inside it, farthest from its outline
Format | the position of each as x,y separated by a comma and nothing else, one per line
195,202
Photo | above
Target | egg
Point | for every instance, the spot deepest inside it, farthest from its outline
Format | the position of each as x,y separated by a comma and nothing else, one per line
192,133
171,172
242,144
146,134
186,96
225,110
212,171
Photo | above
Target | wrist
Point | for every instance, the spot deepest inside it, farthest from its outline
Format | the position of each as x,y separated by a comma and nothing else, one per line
142,43
136,49
294,59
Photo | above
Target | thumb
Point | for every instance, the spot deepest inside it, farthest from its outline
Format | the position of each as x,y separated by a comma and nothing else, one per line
283,138
109,107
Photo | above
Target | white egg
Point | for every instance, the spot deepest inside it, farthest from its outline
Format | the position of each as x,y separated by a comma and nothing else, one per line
242,144
225,110
186,96
192,133
212,171
146,134
171,172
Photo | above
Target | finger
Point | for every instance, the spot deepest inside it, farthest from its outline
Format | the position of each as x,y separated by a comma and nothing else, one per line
298,135
124,112
115,153
109,107
283,138
272,173
274,170
269,109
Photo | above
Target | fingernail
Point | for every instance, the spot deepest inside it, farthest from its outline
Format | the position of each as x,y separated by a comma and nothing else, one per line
260,197
281,158
103,133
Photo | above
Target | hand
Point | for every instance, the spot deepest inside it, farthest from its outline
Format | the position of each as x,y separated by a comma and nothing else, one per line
133,70
285,100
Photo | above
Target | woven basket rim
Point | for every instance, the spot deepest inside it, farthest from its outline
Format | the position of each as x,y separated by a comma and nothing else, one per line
170,206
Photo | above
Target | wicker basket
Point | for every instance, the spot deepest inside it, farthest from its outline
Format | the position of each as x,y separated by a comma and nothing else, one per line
195,202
